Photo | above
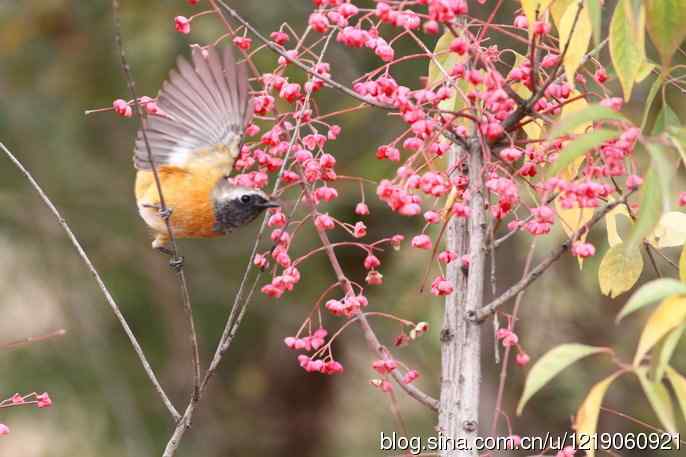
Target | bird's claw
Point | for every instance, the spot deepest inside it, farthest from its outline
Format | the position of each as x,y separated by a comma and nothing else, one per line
165,213
176,263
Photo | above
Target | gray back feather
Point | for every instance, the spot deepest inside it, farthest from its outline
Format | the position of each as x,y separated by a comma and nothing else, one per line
205,104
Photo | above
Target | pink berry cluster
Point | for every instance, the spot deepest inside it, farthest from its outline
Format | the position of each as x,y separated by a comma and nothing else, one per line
510,339
125,109
35,399
472,100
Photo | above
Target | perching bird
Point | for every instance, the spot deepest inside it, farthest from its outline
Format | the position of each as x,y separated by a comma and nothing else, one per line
205,107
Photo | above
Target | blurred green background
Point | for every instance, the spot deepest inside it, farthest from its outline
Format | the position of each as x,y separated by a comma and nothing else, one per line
57,59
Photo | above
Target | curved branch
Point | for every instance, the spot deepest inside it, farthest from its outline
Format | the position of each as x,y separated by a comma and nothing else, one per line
481,314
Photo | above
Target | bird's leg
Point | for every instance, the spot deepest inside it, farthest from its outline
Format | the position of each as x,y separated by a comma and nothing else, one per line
176,263
164,213
161,244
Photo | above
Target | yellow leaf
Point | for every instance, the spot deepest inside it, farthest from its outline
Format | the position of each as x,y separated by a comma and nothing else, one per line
558,8
668,315
670,231
449,202
644,71
666,26
533,130
619,270
678,383
586,420
664,352
613,237
575,38
572,220
682,264
659,399
577,105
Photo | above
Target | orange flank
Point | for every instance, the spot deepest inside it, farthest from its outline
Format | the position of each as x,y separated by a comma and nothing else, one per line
187,193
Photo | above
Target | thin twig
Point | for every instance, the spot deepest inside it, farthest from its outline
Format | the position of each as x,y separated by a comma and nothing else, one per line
487,310
279,50
369,334
108,296
33,339
497,410
164,210
238,308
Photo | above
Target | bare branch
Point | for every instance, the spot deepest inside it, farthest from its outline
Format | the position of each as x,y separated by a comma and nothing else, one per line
33,339
108,296
165,212
481,314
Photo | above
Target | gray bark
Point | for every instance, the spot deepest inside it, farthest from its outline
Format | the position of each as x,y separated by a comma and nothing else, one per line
458,417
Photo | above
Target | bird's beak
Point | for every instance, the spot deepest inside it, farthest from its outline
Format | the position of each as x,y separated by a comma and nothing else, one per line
270,204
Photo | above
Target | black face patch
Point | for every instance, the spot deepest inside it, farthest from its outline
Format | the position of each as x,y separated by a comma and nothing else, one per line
231,214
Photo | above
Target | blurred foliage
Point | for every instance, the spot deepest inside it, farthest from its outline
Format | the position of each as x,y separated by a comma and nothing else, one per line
57,59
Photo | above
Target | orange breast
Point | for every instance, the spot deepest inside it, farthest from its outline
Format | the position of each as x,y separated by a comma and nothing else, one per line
187,193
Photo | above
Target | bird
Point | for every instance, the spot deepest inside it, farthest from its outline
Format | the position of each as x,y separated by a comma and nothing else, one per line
193,140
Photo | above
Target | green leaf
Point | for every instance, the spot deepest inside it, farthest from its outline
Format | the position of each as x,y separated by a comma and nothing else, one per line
650,209
627,44
619,270
595,14
668,316
678,134
665,169
650,293
592,113
580,146
659,399
666,21
552,363
654,89
678,383
678,137
664,351
666,118
586,421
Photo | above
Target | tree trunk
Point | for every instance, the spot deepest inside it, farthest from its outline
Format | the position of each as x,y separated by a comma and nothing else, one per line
460,339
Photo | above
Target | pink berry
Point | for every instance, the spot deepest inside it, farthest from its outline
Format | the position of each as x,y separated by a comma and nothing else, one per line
182,24
522,359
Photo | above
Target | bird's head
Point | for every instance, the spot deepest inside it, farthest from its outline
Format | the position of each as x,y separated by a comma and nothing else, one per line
236,206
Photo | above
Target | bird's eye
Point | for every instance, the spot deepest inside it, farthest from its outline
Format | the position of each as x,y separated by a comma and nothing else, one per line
245,198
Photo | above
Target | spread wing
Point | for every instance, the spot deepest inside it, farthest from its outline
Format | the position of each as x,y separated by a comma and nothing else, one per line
206,106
